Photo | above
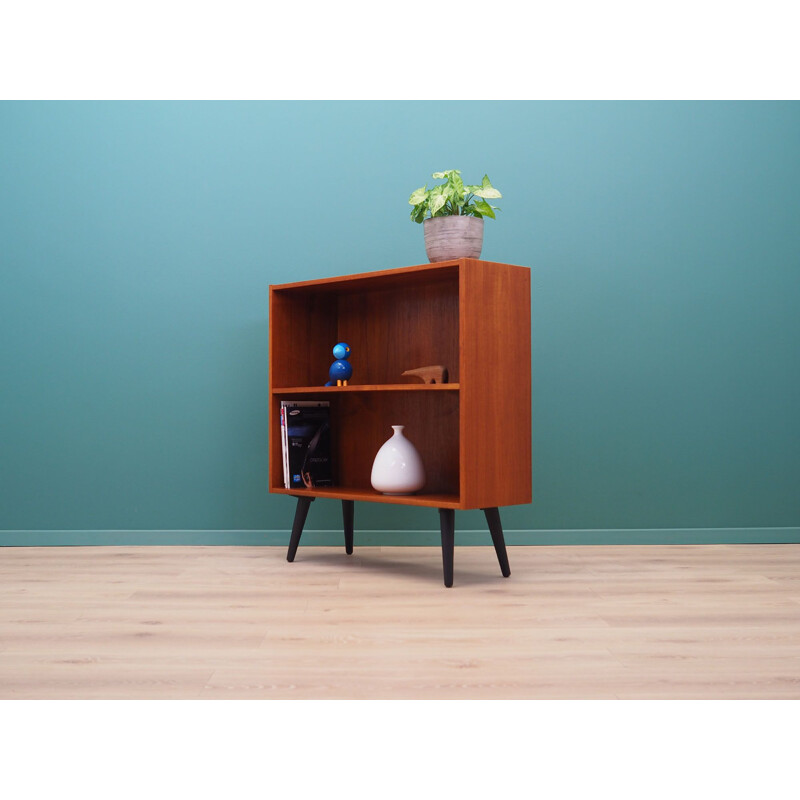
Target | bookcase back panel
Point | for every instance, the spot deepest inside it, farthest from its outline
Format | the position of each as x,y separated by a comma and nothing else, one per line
361,423
394,330
302,335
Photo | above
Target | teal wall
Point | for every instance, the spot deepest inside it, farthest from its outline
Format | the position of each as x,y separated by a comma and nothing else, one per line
137,241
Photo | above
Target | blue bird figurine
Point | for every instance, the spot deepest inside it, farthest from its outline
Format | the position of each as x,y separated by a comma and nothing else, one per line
341,369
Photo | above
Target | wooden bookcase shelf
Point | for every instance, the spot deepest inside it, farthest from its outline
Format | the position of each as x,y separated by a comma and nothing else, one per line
474,433
427,499
387,387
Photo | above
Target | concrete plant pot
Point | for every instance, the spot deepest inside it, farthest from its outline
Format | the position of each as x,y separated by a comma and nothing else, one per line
452,237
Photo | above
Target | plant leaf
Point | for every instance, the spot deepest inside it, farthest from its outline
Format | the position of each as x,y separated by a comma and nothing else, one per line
418,212
457,186
485,209
418,195
486,189
453,198
437,203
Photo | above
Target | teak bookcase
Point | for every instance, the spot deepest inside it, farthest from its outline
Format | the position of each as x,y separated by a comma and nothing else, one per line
473,433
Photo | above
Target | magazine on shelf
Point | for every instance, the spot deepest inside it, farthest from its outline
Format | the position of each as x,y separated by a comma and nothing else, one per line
284,451
306,439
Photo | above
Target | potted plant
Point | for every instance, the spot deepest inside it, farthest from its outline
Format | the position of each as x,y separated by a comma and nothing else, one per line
453,214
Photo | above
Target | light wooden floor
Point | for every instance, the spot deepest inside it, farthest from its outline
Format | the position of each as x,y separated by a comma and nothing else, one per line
718,621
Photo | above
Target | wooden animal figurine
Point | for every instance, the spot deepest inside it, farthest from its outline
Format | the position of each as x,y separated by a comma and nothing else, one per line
435,374
341,370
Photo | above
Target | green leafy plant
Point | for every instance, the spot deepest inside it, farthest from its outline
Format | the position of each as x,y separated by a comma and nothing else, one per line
453,197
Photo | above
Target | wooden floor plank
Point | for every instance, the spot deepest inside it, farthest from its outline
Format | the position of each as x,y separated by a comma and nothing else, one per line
683,621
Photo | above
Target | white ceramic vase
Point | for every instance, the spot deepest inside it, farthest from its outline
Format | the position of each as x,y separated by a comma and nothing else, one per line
397,468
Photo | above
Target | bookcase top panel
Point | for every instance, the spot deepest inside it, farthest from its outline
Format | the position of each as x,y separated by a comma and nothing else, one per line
381,279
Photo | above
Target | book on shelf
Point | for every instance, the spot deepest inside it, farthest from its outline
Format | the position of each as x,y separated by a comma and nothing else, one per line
306,443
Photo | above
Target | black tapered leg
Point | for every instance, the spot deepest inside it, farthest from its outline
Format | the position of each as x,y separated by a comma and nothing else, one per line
447,520
300,514
496,529
347,516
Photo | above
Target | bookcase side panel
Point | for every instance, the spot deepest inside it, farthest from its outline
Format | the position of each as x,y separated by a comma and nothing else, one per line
495,420
302,327
274,444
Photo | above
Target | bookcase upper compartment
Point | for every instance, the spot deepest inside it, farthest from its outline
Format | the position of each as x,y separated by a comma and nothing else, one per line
392,323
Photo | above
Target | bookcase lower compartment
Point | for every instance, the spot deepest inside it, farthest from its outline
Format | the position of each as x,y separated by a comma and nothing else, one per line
362,421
